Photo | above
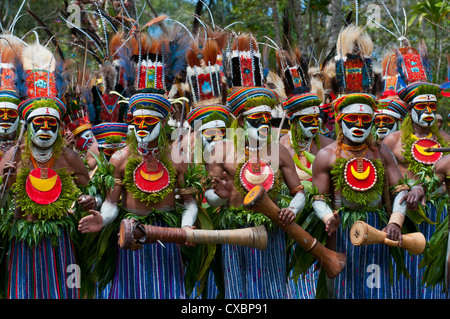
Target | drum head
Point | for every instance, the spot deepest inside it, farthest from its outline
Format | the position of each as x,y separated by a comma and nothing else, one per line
358,233
253,196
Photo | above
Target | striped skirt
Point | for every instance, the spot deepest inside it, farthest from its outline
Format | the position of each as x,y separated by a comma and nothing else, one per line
43,271
366,274
250,273
418,290
153,272
305,286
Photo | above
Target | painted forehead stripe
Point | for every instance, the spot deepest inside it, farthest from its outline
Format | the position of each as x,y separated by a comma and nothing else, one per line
359,108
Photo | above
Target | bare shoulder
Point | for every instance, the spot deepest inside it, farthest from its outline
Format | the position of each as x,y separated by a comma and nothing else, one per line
120,157
71,157
392,138
325,141
326,155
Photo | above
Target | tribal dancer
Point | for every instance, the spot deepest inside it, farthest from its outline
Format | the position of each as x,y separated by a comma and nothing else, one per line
252,158
350,174
146,179
45,177
418,133
11,90
208,120
303,141
389,115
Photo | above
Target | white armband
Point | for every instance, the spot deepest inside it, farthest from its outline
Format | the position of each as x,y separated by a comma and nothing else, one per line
297,203
322,210
109,212
189,215
213,199
398,210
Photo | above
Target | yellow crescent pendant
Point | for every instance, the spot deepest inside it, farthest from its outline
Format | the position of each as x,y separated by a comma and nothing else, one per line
152,177
421,149
43,185
360,176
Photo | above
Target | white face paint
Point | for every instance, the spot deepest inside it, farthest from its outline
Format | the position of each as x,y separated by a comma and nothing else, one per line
145,136
257,134
355,134
383,132
44,139
7,128
308,132
419,118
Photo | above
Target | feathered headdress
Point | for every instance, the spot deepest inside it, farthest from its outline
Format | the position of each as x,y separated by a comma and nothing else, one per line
245,63
203,73
353,60
46,80
294,71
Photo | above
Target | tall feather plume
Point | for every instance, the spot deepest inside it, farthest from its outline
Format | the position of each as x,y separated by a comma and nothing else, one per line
62,74
388,65
9,52
192,54
316,79
243,43
38,57
175,57
108,73
399,63
115,44
142,42
423,51
353,39
87,99
125,55
19,78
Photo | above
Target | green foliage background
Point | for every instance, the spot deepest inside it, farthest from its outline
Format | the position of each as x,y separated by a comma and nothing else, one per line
313,25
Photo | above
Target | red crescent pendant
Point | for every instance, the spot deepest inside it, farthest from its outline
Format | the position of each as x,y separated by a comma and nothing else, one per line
250,178
151,182
360,174
419,154
43,190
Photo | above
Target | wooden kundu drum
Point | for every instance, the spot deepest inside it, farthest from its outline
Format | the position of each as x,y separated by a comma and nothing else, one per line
332,262
133,234
364,234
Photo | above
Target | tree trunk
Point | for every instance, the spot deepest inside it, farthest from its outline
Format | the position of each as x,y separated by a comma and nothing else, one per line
198,13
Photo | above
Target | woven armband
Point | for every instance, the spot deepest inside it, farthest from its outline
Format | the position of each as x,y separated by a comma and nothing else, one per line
402,187
186,191
296,190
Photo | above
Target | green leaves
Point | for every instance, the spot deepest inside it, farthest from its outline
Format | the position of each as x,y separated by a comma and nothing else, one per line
435,257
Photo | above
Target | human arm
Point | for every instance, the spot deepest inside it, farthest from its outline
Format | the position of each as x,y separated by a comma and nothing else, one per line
292,181
109,210
322,180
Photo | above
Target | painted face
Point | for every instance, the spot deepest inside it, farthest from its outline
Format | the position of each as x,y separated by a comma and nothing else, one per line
146,128
258,126
211,135
424,113
309,124
356,126
9,121
385,124
85,140
44,131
